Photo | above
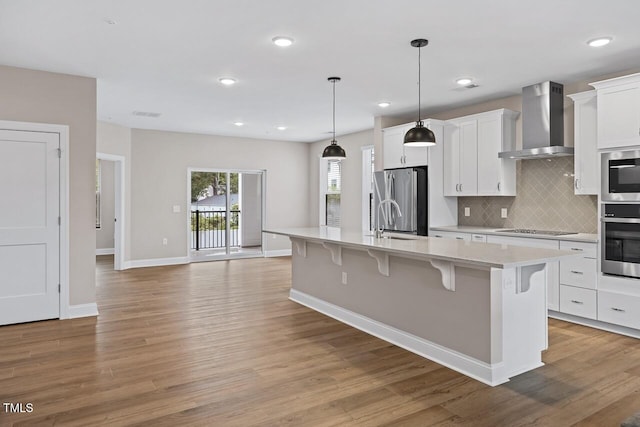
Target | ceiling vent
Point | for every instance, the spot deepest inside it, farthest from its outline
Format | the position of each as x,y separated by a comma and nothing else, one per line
146,114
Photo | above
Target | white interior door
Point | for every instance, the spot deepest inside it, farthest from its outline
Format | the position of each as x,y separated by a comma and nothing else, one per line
29,227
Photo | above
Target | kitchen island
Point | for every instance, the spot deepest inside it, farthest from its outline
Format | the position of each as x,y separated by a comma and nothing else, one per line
477,308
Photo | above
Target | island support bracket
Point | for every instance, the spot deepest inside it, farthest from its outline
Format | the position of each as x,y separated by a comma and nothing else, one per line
448,272
383,261
300,245
336,252
523,276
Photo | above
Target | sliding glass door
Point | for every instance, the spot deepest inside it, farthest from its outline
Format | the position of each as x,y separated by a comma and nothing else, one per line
226,214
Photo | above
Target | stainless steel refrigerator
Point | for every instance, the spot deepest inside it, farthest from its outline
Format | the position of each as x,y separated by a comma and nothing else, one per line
408,187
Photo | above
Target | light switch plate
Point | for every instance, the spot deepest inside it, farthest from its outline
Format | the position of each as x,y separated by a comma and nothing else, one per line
503,212
467,211
176,208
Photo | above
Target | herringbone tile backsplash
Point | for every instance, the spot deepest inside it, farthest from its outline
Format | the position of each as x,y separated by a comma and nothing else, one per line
544,201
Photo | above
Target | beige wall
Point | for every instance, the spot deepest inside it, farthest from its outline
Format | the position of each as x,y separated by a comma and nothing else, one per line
116,140
104,235
42,97
159,165
350,199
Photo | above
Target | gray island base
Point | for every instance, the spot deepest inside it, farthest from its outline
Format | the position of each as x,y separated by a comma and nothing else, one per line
477,308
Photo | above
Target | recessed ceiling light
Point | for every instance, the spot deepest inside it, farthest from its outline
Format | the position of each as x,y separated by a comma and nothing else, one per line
281,127
463,81
383,104
600,41
282,41
227,81
238,123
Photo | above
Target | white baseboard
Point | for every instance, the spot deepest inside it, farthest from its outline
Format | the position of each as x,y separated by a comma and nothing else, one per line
105,251
466,365
83,310
609,327
155,262
282,252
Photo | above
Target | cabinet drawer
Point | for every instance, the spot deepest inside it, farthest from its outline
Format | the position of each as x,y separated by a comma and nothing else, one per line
578,301
619,309
589,250
478,238
578,271
451,235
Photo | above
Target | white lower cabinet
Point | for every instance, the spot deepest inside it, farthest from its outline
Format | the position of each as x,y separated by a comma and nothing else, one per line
578,301
619,309
580,271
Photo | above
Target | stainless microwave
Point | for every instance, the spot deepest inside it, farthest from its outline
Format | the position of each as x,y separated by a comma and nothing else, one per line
621,176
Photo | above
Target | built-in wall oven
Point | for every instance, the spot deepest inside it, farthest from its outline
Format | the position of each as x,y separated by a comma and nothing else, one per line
621,176
620,229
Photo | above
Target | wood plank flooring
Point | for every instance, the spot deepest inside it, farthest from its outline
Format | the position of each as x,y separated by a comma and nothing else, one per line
219,344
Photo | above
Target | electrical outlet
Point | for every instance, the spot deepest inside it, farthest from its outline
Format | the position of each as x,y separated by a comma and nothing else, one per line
467,211
344,277
165,241
503,212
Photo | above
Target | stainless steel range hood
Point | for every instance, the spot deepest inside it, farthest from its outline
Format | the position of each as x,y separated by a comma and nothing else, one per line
542,123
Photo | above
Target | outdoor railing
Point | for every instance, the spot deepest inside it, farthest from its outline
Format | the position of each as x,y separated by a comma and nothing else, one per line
209,229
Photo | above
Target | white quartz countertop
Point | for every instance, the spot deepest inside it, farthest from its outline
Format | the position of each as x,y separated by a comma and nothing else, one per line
577,237
476,253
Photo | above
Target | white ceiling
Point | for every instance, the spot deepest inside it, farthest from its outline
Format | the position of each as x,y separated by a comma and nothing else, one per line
165,56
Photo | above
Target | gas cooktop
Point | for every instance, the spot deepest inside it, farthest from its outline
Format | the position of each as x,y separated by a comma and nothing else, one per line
530,231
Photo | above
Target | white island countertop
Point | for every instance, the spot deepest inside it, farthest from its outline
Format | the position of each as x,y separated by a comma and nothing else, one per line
475,253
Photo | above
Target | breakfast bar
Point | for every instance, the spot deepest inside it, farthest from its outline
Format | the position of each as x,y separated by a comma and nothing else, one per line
475,307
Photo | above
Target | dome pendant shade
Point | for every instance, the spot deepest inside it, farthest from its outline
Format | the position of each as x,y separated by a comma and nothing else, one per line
419,136
333,151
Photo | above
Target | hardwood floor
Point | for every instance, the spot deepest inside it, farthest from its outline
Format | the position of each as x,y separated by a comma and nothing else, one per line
219,344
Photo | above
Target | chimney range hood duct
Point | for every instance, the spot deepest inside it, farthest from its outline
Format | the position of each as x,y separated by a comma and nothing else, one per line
542,123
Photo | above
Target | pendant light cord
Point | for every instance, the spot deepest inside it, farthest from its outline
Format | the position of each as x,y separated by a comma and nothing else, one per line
419,88
333,141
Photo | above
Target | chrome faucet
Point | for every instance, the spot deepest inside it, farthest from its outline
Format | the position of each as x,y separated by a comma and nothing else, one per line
380,231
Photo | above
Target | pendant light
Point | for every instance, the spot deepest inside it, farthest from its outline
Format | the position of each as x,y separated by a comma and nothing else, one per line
333,150
419,136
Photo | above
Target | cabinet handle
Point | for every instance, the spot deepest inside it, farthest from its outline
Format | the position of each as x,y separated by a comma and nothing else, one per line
577,302
437,235
461,188
576,272
498,186
459,238
619,310
576,249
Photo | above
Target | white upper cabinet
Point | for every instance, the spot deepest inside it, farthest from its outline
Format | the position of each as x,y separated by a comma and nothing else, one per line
461,158
618,111
396,155
472,165
586,165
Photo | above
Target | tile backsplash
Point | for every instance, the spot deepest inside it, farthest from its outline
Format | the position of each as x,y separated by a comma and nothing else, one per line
544,201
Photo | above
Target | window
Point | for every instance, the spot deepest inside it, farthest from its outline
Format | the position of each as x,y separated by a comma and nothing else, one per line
333,194
98,188
330,187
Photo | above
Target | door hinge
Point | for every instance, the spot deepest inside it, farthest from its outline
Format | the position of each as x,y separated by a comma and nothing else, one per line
59,221
59,153
58,287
